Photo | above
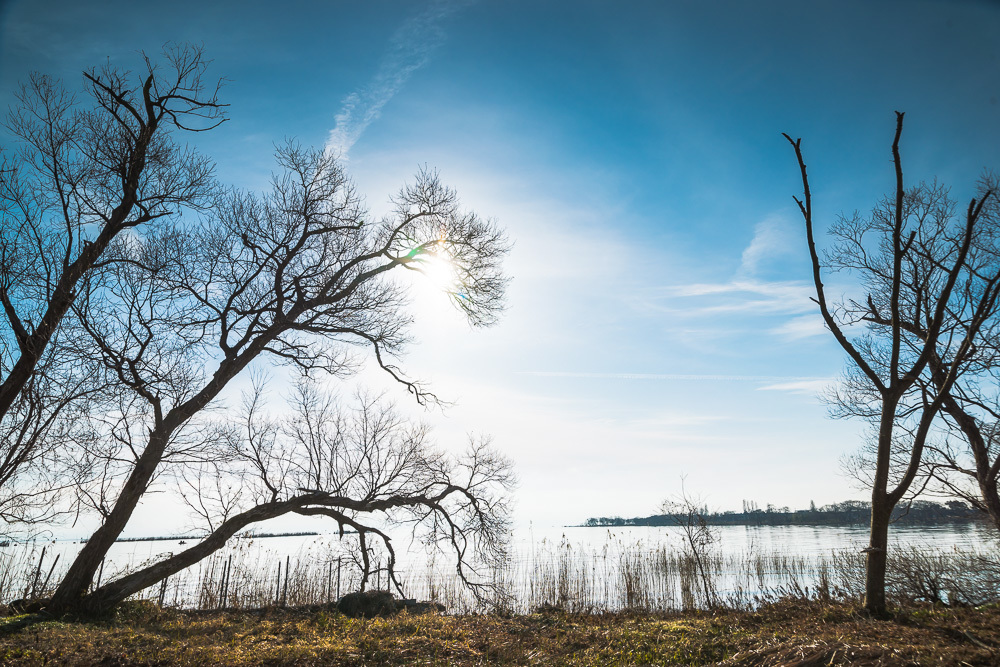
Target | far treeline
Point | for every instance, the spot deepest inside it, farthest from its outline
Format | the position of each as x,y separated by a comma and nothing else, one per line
847,513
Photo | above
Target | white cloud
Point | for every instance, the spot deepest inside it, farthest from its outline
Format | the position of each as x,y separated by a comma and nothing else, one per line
747,293
410,49
798,328
810,387
764,297
772,237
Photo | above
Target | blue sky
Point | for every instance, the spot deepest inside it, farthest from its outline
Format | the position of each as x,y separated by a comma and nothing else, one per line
659,321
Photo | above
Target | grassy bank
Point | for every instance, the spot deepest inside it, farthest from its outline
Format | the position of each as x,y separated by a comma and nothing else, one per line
783,633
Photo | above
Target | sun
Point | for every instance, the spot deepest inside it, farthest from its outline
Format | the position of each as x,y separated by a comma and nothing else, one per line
437,291
439,270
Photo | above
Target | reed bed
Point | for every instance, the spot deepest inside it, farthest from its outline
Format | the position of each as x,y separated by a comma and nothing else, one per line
615,577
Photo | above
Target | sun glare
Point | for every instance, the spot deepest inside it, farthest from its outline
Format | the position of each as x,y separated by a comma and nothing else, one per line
439,271
433,293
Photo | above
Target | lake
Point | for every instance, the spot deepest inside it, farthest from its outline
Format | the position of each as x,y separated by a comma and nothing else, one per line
576,567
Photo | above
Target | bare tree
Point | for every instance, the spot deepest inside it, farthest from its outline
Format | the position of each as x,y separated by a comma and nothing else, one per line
362,468
912,233
964,460
75,177
974,309
690,514
299,277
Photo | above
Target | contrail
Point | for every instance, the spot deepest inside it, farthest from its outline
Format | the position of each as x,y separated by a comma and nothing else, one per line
409,49
671,376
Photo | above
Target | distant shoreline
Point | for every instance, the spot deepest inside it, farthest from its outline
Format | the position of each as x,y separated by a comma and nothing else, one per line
7,542
849,513
195,538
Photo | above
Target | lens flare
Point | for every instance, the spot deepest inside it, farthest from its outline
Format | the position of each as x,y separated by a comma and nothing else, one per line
439,271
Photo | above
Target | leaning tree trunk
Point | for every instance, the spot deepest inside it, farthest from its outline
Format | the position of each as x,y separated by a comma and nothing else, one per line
73,588
991,498
106,597
81,573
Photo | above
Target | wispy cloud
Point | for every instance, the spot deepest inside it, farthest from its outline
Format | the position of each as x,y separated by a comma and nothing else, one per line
764,297
810,387
749,291
672,376
409,49
772,237
803,326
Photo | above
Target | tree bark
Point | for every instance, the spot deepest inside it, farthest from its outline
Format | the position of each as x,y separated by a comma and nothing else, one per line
882,504
876,554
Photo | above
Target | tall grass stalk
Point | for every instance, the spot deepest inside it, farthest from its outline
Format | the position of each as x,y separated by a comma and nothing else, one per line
616,576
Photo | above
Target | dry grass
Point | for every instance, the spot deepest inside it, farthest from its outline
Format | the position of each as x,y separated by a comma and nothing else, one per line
620,576
783,633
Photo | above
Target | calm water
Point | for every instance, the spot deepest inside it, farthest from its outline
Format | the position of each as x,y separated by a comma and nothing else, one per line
549,564
792,540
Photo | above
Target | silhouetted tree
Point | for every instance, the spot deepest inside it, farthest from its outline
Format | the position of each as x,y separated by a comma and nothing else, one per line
298,278
971,409
74,178
349,465
914,231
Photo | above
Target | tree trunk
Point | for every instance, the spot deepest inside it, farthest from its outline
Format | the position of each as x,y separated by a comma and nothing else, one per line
991,499
106,597
985,477
878,534
875,565
81,573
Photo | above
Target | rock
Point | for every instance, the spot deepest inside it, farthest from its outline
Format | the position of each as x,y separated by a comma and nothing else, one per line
367,604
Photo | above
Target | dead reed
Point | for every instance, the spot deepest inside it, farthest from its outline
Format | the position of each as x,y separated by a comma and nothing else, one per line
615,577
